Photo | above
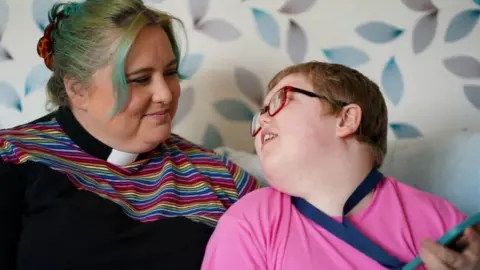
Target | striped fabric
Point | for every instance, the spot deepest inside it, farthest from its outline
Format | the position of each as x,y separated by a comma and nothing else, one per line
179,179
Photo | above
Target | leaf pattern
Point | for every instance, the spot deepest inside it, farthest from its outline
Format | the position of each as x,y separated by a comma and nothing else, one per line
473,94
392,81
424,32
477,2
462,25
296,42
40,12
9,97
190,64
267,27
4,54
296,6
378,32
463,66
185,105
37,79
233,109
405,131
219,30
212,137
346,55
198,9
419,5
249,84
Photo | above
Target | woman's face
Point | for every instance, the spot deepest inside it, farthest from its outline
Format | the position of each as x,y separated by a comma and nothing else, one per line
154,90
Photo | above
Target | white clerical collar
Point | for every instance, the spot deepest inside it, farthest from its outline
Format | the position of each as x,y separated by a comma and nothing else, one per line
120,158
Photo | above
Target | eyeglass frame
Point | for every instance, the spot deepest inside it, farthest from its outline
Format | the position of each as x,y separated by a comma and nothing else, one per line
287,89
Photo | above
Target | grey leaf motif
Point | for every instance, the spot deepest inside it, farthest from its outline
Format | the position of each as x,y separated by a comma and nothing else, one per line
424,32
249,84
463,66
219,29
473,94
4,54
419,5
296,6
296,42
3,17
198,10
185,105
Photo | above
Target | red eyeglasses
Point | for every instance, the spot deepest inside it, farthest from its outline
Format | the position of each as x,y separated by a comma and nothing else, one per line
278,102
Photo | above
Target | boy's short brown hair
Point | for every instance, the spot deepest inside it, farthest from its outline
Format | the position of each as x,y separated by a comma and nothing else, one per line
340,83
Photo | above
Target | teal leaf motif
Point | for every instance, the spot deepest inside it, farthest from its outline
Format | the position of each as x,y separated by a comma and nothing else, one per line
463,66
234,110
424,32
37,79
419,5
477,2
392,81
296,42
473,94
405,131
219,30
212,137
296,6
190,64
198,9
462,25
9,97
249,84
40,12
378,32
267,27
346,55
185,105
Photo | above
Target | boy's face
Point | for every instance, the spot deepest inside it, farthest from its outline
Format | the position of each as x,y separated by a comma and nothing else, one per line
304,130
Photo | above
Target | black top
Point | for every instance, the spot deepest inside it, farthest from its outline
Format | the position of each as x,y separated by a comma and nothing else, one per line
48,223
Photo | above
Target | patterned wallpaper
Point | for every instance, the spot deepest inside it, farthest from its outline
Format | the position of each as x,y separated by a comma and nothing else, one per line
423,53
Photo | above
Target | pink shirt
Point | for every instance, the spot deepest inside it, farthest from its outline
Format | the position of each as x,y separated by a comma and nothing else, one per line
264,231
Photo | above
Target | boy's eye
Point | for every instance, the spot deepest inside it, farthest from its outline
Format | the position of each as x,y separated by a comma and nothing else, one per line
141,80
171,72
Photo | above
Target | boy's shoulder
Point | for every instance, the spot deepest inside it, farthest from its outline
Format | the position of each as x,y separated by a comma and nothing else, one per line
263,201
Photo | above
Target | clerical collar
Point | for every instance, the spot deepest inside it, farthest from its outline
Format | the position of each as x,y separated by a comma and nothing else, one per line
90,144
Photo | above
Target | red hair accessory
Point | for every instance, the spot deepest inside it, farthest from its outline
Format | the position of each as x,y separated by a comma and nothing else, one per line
45,44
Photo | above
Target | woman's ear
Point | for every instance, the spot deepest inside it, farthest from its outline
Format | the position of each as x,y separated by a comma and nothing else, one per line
349,120
78,96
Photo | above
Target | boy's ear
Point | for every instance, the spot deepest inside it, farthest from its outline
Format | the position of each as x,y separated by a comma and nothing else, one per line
349,120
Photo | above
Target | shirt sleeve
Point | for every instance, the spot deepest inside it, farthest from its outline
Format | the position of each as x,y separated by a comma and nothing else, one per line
234,246
244,182
11,206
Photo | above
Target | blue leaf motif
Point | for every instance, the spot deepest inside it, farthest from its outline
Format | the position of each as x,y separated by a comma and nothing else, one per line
37,79
472,92
185,105
419,5
190,64
463,66
233,109
219,30
9,97
296,42
462,25
477,2
267,27
424,32
346,55
296,6
40,12
212,137
378,32
249,84
404,131
392,81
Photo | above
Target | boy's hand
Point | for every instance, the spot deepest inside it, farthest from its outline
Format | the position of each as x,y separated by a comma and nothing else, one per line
437,257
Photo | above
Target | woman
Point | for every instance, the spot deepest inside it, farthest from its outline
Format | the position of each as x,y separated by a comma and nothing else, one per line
320,139
101,183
